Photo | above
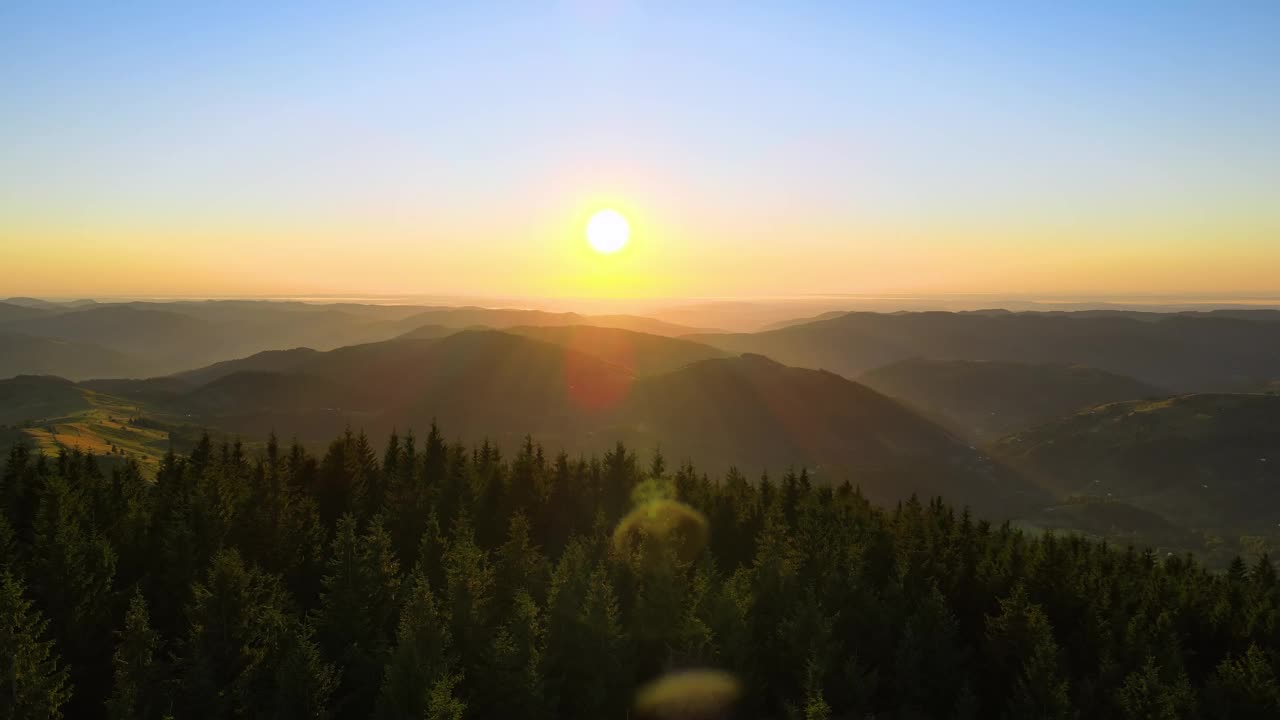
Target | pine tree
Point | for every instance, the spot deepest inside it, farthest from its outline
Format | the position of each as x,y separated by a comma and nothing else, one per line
303,683
75,568
510,683
357,612
237,621
468,595
72,570
33,683
520,566
585,641
1020,645
9,557
19,489
928,662
443,703
421,655
137,690
1146,695
1244,687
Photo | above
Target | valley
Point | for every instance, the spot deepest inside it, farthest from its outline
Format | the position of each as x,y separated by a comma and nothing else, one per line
1051,446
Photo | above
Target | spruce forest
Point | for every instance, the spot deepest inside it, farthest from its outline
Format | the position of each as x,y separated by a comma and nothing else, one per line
426,579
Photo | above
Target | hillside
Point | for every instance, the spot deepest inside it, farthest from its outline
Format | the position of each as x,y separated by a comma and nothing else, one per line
158,341
501,318
1182,352
431,332
771,416
11,311
146,391
790,322
641,353
27,354
265,361
1199,460
248,392
54,415
160,338
28,398
502,385
989,399
479,381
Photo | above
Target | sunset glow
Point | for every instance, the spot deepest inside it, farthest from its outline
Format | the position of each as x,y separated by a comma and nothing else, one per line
1028,154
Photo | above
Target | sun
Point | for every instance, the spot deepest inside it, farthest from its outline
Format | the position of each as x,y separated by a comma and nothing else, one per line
608,231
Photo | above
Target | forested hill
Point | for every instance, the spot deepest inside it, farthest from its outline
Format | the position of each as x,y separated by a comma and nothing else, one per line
1208,461
1184,352
988,399
423,579
582,388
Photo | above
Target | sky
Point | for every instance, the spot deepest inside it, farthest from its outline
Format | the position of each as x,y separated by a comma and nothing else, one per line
756,149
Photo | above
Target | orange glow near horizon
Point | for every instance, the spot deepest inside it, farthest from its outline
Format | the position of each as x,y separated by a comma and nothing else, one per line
538,250
971,160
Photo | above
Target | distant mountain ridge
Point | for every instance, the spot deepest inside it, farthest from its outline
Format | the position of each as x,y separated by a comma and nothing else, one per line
146,339
1182,351
22,354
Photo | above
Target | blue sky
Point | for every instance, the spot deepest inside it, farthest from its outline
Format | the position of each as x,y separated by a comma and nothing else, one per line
733,126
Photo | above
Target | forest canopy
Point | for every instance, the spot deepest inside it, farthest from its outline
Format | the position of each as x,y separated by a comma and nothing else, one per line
429,579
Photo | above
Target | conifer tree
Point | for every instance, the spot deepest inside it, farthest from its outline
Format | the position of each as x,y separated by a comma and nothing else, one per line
137,690
585,641
1244,687
521,566
469,595
1020,644
356,618
420,658
443,702
1146,695
33,682
303,683
509,682
237,620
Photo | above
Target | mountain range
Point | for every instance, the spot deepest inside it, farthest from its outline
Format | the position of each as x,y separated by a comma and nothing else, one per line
1184,352
1107,422
144,339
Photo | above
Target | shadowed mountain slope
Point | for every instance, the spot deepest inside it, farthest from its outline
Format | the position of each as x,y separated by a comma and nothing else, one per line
11,311
266,361
772,416
36,397
1200,460
641,353
27,354
988,399
502,385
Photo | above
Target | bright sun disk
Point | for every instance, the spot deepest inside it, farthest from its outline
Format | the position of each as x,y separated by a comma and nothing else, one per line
608,231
